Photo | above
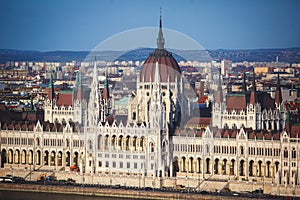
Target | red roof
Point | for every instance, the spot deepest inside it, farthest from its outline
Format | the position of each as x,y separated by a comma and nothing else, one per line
168,67
295,130
236,102
195,121
64,99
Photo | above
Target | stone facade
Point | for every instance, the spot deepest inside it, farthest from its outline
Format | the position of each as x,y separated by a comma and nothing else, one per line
246,142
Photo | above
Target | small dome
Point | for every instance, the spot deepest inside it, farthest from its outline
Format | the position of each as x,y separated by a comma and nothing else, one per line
168,67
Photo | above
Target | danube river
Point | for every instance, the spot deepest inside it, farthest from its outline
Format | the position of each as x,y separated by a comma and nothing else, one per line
16,195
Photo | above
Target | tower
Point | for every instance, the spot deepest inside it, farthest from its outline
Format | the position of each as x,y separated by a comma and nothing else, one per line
160,65
105,100
78,100
218,104
253,109
49,105
278,95
94,101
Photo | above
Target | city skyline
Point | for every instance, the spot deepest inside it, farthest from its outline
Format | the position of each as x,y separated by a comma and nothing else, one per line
77,26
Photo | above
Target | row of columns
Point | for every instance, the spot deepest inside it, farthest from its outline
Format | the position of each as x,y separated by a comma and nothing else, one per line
122,143
227,167
49,158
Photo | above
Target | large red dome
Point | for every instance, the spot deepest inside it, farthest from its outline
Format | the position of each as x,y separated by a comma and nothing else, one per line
168,67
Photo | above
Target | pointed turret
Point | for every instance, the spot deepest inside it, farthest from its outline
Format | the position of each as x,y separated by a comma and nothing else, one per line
160,39
219,93
94,107
156,84
157,74
253,98
105,102
79,89
278,95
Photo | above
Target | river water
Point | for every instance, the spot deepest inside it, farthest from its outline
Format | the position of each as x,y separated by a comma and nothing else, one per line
16,195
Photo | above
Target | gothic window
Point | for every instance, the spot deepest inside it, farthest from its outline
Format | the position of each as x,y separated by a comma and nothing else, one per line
294,153
135,143
207,148
90,145
134,115
285,153
226,126
242,150
152,147
127,142
234,127
106,142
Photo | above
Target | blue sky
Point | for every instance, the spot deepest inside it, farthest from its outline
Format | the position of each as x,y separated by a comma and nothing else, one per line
76,25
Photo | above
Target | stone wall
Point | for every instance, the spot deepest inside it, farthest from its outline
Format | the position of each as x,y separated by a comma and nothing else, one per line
143,181
135,194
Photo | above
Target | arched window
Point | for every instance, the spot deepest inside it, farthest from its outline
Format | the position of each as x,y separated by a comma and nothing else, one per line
242,150
285,153
294,155
134,115
152,147
207,148
90,145
67,143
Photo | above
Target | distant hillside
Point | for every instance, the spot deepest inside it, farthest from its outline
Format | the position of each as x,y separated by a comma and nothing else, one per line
143,53
291,55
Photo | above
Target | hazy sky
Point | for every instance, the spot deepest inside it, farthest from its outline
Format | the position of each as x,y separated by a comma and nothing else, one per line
49,25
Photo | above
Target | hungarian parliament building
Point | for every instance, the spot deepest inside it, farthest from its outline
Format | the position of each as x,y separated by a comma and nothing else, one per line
247,138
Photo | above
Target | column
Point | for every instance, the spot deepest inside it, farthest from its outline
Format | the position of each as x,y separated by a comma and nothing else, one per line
202,166
56,159
180,165
171,169
263,170
63,159
228,167
246,169
220,164
254,170
194,165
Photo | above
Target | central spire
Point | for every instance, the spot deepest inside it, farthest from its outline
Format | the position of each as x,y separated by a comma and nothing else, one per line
160,39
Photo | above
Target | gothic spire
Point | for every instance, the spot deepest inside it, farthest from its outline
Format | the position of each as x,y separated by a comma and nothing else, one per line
253,98
278,95
78,84
94,106
95,70
157,74
51,87
160,39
